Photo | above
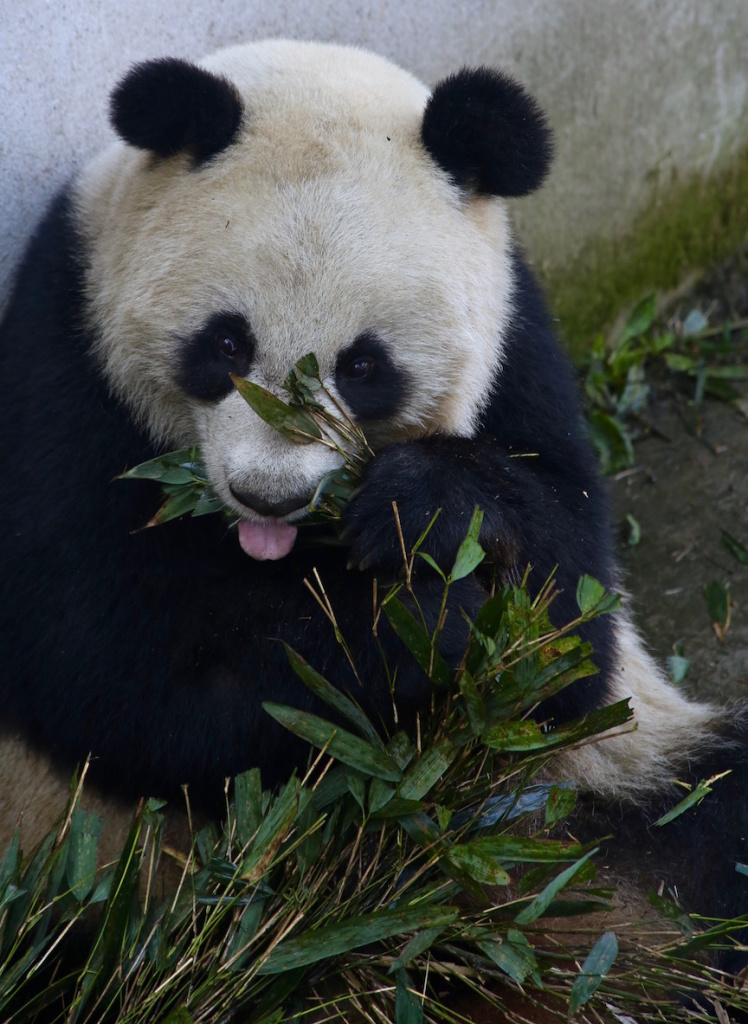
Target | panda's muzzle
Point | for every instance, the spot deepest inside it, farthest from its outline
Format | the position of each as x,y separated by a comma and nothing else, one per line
278,509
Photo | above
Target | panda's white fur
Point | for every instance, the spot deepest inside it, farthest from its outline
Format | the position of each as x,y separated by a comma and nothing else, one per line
304,225
295,212
670,729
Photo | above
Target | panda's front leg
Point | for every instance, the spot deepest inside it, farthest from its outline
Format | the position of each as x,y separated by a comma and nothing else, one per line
548,513
437,476
531,513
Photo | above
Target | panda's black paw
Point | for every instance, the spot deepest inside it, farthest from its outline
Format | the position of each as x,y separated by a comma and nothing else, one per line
370,526
411,478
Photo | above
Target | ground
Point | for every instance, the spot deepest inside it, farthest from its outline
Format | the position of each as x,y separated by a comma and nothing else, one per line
690,483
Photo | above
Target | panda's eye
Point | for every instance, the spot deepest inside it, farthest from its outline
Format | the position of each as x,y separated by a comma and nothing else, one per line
226,345
359,368
368,379
222,346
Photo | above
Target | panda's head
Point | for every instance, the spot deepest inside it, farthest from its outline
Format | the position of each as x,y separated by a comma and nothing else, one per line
284,198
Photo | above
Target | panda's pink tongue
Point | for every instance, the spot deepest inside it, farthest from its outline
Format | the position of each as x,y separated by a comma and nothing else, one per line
268,540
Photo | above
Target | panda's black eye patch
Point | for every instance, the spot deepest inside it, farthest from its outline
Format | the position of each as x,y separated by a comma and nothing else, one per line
223,345
368,380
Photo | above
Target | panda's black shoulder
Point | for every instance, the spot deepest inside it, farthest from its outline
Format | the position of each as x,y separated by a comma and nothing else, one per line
536,406
47,289
55,400
63,436
40,334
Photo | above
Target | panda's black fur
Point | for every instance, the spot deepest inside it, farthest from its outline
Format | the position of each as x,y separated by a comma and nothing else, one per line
137,644
153,649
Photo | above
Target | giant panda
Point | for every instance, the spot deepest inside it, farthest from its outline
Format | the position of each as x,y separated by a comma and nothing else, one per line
275,199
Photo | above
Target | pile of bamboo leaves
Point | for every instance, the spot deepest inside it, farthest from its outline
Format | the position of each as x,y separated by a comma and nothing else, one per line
397,878
401,879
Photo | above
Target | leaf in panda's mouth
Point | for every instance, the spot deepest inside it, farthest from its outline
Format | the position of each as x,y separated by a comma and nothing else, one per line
184,485
303,419
293,421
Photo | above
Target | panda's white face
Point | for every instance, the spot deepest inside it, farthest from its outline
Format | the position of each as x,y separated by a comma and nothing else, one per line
326,227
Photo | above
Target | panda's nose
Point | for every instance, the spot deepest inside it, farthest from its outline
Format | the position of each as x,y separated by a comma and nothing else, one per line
268,508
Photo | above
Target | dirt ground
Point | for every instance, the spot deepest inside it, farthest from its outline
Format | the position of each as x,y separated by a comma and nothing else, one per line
690,483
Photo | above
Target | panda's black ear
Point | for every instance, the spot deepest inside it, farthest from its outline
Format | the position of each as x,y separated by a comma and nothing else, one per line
171,106
487,133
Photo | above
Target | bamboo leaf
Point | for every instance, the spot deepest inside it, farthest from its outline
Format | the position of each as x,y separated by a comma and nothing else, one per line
290,420
639,321
677,668
673,913
176,505
85,830
573,664
696,795
103,888
678,363
340,744
634,531
332,696
179,1016
473,702
186,460
735,547
401,750
488,633
514,956
418,642
597,722
717,599
282,812
23,894
357,789
592,598
479,863
269,1009
518,849
308,366
248,804
560,804
177,476
398,807
9,867
430,561
333,940
207,504
612,441
541,902
335,488
408,1007
427,770
469,554
238,952
515,736
111,937
379,795
420,942
443,816
597,964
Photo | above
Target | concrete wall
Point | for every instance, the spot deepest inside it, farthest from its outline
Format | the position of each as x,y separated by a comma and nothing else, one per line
638,91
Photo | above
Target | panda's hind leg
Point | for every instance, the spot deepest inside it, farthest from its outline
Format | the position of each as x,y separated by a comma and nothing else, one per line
693,858
629,782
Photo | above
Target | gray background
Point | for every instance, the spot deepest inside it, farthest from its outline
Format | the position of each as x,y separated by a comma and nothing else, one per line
638,91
